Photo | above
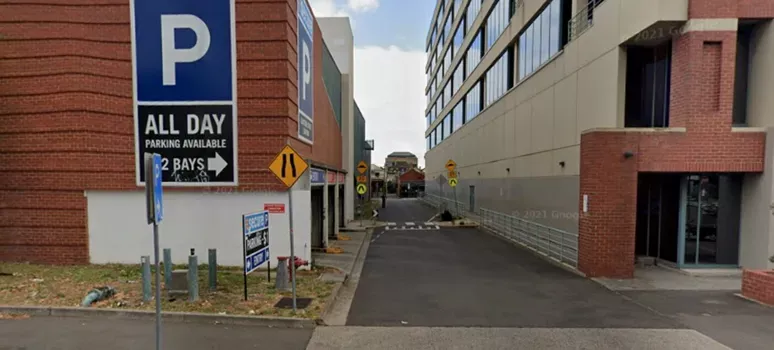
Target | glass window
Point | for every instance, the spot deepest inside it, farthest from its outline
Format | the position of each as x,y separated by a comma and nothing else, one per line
457,4
427,140
447,93
545,18
458,77
536,35
554,28
541,40
474,54
446,28
459,36
496,22
442,127
497,79
474,6
447,60
473,102
458,114
449,124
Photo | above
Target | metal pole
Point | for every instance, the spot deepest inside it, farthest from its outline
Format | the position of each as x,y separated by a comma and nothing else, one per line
158,284
268,271
244,259
292,249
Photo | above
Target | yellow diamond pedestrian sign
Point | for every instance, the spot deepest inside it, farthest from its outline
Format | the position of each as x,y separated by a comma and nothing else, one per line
451,165
361,188
288,166
453,182
362,167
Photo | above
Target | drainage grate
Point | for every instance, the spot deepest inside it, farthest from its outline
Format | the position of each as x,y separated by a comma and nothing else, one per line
287,303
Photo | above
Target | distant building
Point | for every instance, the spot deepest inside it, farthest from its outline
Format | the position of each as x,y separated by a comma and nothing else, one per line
411,182
377,179
398,163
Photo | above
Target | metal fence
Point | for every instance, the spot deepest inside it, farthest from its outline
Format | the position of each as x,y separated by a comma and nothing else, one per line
583,20
556,244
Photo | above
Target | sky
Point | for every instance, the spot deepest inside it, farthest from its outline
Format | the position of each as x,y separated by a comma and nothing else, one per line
389,69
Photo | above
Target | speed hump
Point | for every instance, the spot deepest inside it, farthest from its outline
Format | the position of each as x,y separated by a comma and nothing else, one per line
453,182
361,189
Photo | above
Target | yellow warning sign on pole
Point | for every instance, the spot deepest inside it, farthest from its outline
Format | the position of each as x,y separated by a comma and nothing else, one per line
453,182
451,165
288,166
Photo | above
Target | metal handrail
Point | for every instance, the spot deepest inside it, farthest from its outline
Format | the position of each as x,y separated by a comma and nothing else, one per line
582,20
554,243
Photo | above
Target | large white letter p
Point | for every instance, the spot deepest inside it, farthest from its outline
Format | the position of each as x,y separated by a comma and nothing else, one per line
170,56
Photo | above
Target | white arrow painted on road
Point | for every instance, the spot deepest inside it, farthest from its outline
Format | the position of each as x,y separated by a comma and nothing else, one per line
216,164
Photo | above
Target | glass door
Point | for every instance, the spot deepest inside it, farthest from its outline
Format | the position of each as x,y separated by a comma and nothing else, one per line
708,238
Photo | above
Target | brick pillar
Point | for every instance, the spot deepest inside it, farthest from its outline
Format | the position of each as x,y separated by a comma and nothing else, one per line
702,91
606,233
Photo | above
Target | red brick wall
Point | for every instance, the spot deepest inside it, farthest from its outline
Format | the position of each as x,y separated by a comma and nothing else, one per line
759,285
66,122
701,102
731,9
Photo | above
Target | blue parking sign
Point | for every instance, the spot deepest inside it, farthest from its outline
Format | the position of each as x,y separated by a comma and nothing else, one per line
305,85
157,189
184,75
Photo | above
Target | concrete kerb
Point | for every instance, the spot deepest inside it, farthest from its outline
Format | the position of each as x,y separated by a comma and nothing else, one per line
337,289
192,317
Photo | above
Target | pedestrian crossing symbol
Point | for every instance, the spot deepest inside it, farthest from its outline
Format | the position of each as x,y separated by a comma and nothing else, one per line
453,182
288,166
361,188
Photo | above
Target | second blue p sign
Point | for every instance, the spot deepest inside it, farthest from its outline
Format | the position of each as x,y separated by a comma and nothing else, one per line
184,64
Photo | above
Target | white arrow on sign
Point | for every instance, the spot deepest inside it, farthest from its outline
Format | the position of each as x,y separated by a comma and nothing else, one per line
216,164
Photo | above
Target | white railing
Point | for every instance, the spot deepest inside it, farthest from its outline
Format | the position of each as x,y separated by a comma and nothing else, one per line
556,244
583,20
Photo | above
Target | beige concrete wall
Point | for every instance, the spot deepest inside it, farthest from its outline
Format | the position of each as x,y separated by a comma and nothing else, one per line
538,123
337,33
757,222
513,150
760,106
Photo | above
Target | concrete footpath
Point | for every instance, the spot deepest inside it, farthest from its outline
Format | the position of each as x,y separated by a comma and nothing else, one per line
131,334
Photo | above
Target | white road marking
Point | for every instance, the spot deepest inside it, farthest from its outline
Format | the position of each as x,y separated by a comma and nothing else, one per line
391,224
409,224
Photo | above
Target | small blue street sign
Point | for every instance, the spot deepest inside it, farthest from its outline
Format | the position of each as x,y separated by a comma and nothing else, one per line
255,230
158,191
305,84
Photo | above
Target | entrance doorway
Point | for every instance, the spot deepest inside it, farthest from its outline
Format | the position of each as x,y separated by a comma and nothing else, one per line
710,228
658,209
689,220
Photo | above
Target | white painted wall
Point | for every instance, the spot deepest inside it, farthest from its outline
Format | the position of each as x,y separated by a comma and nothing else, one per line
119,233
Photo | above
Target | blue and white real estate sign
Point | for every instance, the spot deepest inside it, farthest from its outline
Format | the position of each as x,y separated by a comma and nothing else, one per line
255,230
305,51
184,75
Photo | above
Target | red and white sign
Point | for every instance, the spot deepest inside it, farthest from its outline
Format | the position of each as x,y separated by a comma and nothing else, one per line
331,177
342,178
275,208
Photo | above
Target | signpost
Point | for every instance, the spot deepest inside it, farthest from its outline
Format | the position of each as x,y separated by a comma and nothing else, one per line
451,166
155,213
184,68
305,84
255,242
288,166
362,187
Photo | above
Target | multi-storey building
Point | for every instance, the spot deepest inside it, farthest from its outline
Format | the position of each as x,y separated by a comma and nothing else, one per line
68,193
640,126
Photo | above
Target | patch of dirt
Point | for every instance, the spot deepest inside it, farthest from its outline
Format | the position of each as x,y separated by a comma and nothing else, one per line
9,316
67,286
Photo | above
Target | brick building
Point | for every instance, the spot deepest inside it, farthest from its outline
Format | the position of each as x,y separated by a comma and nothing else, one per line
635,129
67,154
